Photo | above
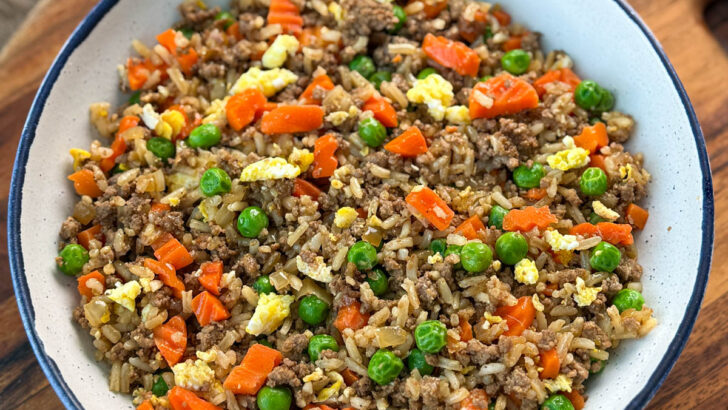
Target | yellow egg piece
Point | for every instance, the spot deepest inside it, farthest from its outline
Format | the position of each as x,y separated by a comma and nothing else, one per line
125,295
433,91
526,271
278,52
269,314
267,81
345,216
571,157
269,168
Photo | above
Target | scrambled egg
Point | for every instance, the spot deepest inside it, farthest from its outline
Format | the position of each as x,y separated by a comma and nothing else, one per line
490,319
150,118
277,53
433,259
215,113
316,270
332,390
170,124
603,211
625,171
269,168
560,383
585,295
208,356
571,157
125,294
458,114
345,216
559,242
150,285
303,158
195,375
336,10
268,81
435,92
79,155
272,309
526,271
314,376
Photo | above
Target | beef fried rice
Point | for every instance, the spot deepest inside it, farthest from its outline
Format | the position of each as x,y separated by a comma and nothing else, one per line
356,204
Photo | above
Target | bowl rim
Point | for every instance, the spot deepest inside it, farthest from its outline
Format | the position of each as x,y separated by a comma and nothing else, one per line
20,284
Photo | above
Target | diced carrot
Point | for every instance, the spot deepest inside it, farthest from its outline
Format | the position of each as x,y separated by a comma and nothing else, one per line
174,253
324,160
576,399
350,317
118,147
362,213
289,119
509,95
285,13
161,240
503,18
241,108
597,160
211,273
382,110
182,399
550,364
476,400
302,187
465,329
616,234
592,137
535,194
564,75
146,405
518,317
250,375
159,207
472,30
527,218
234,31
167,275
208,308
166,39
512,43
637,216
312,406
137,74
323,82
471,227
432,8
452,54
425,201
84,183
171,339
94,232
189,125
349,376
83,282
186,60
127,122
267,107
409,144
550,288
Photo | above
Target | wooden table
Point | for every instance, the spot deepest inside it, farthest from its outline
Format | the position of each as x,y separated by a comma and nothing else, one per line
699,376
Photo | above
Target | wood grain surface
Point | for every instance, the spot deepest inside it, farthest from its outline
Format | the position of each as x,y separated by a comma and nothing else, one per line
698,379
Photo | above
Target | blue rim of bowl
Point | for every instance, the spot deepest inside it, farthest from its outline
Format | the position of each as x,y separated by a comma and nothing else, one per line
20,284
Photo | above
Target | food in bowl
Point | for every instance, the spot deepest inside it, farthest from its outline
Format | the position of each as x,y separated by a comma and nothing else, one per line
356,204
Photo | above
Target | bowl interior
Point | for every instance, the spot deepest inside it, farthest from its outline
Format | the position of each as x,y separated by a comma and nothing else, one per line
617,54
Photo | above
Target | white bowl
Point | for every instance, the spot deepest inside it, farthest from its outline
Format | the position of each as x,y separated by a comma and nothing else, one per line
607,41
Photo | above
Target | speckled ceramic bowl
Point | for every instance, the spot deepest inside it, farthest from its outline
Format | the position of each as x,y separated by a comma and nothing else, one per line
614,48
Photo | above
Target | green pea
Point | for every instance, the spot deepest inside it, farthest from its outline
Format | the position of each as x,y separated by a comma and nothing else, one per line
372,132
628,299
134,98
227,17
426,72
364,65
526,177
378,281
204,136
162,148
605,257
431,336
511,247
476,257
187,32
319,343
362,254
495,218
592,97
379,77
516,61
274,398
265,343
73,257
593,182
384,367
313,310
595,219
252,221
488,34
159,388
215,181
557,402
262,285
416,360
607,101
602,365
401,18
438,246
485,78
454,249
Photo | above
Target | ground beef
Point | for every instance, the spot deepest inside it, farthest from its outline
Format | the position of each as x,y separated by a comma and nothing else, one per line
211,70
477,353
366,16
289,373
118,353
344,294
548,340
567,275
80,317
517,382
194,16
169,221
593,332
395,393
426,291
611,285
134,213
165,300
363,386
431,394
294,346
629,270
70,228
143,337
